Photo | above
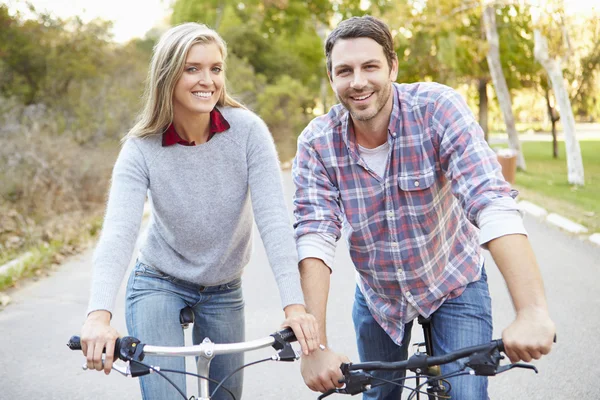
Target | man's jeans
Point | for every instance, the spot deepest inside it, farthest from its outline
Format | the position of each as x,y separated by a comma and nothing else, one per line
459,322
153,303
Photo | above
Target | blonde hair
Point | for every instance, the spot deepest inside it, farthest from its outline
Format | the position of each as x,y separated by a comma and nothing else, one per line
166,67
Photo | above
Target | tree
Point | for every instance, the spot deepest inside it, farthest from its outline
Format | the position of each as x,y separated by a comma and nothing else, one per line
502,93
445,41
582,70
42,57
551,56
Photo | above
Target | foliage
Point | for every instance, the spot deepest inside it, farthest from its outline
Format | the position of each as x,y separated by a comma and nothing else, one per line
42,58
67,93
285,106
444,41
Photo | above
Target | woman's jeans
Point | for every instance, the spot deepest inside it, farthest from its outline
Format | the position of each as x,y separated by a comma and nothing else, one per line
459,322
153,303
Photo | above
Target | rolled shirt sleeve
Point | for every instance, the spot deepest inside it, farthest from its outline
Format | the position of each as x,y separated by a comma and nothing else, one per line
465,157
317,245
316,200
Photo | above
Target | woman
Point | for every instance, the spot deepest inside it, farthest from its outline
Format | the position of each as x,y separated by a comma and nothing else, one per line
200,156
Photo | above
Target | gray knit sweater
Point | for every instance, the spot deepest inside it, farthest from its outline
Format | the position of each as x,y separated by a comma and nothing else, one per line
202,200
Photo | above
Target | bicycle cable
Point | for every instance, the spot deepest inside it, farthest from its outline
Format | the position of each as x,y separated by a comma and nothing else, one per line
162,375
201,377
397,380
160,372
235,371
443,378
394,382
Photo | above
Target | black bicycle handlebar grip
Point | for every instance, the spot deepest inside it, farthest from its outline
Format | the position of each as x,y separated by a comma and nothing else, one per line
501,344
287,335
75,344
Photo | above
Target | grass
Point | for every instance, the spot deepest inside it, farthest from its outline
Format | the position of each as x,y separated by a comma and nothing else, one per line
545,182
44,256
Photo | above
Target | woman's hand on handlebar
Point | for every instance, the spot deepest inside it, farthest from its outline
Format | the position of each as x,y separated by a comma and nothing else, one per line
97,335
304,325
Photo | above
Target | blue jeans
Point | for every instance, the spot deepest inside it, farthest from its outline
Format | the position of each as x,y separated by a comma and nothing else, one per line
459,322
153,303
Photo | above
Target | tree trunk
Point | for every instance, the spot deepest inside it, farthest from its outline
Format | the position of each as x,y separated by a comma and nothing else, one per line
502,93
324,85
219,15
483,107
554,70
322,32
553,119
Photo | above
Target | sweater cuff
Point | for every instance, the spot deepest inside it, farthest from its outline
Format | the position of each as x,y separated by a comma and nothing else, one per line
290,291
103,295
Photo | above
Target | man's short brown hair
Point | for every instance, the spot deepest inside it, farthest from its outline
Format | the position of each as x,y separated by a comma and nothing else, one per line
362,27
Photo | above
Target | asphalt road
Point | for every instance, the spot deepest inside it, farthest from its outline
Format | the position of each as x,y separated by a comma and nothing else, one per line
35,363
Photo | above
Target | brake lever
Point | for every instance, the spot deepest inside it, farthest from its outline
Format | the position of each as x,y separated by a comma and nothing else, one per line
332,391
505,368
354,382
122,369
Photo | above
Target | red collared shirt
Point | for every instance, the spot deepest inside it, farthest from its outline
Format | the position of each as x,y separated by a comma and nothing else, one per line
218,124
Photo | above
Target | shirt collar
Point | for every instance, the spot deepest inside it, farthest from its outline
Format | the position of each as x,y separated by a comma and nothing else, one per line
218,124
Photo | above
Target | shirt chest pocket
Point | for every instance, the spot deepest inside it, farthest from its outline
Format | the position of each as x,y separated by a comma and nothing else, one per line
417,195
416,182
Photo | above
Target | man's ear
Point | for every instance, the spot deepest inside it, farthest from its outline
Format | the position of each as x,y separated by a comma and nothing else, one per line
394,70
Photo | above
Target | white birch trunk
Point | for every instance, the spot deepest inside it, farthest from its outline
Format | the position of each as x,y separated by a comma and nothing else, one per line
553,68
502,93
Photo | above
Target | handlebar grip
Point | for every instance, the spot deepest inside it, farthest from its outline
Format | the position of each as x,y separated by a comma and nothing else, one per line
287,335
75,344
501,344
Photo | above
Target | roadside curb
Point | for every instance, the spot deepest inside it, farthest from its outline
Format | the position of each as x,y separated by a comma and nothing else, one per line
18,263
15,264
558,221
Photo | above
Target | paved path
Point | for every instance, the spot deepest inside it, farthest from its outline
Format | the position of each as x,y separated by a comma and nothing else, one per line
35,362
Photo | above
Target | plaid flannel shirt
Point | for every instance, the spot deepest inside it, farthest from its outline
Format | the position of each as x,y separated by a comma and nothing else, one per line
411,233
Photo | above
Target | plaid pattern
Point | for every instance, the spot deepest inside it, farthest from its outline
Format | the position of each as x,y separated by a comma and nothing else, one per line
411,233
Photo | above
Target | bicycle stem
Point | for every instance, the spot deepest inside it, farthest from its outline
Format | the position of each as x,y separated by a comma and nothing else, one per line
203,366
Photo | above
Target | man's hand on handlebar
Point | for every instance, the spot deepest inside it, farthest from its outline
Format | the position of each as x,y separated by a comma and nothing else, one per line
321,370
96,335
529,336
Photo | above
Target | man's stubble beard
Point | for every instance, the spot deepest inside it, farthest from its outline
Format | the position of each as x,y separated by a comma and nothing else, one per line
380,103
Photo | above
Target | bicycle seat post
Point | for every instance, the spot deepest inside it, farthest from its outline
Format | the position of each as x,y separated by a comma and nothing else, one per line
426,325
203,366
436,388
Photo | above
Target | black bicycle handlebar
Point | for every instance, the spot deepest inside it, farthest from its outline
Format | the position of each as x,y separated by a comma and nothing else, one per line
483,359
424,361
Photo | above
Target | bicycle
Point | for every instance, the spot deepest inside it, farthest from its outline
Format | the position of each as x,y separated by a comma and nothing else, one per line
132,351
481,360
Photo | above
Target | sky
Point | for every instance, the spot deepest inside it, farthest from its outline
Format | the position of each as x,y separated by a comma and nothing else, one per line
133,18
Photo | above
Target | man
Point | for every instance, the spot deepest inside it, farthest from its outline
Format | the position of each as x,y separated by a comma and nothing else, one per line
404,173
